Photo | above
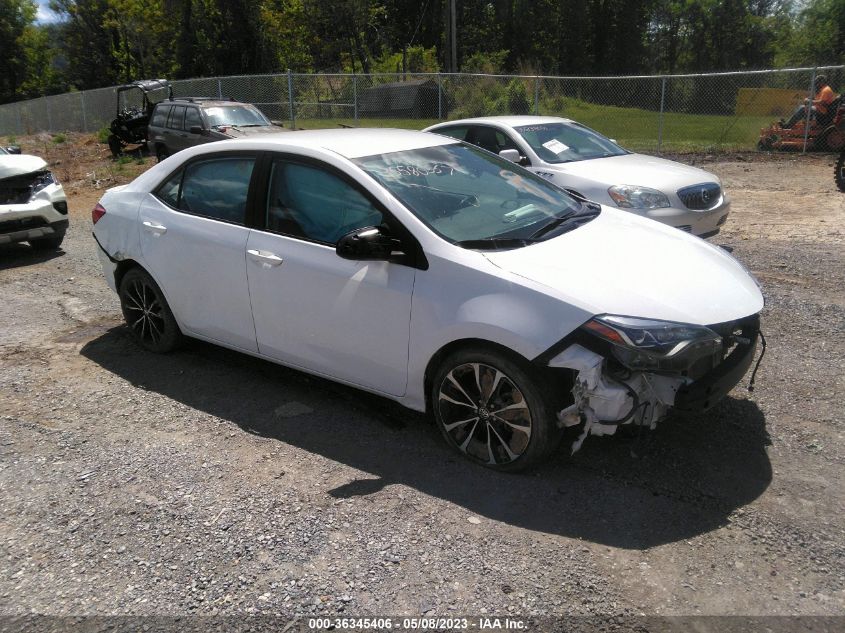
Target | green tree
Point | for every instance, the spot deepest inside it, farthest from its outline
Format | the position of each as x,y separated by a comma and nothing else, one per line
16,17
815,35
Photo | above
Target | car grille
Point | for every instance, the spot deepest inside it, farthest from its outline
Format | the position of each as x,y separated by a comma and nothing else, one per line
701,197
18,189
11,226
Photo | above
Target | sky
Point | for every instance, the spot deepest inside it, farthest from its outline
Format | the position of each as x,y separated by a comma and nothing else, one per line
45,16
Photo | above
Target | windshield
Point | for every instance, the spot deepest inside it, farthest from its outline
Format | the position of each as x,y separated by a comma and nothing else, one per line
567,142
467,195
241,115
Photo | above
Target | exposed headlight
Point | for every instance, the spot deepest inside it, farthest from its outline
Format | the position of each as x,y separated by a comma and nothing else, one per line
634,197
648,344
42,181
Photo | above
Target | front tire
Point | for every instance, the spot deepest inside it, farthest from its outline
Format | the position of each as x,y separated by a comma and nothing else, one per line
147,314
161,153
490,408
839,172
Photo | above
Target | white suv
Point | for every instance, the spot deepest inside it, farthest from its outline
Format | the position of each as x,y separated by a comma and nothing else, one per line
33,207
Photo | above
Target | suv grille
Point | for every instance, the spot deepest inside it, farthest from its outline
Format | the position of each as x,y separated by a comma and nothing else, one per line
701,197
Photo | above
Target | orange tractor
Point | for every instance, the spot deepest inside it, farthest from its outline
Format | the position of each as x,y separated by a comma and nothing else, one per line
826,133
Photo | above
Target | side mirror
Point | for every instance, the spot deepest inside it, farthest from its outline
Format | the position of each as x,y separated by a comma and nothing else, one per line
368,244
14,149
510,154
196,129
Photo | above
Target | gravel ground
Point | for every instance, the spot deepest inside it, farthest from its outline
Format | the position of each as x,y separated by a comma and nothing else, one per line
208,482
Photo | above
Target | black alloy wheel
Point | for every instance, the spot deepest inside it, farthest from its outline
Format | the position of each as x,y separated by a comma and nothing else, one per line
146,312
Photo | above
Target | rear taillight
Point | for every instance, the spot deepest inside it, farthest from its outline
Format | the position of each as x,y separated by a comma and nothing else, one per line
98,212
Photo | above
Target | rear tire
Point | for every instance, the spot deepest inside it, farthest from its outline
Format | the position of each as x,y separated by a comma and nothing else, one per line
839,172
147,313
50,243
490,408
115,146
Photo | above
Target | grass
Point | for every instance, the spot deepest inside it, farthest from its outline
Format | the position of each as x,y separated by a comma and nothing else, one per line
632,128
59,138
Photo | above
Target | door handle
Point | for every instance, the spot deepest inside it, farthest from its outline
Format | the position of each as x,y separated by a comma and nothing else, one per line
265,258
154,227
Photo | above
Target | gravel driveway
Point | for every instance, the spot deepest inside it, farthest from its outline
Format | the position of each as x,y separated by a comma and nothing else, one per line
209,482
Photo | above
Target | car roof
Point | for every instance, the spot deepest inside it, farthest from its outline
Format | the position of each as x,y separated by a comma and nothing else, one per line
510,121
202,102
347,142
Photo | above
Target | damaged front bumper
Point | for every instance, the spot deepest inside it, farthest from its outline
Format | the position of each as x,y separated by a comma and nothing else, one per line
606,395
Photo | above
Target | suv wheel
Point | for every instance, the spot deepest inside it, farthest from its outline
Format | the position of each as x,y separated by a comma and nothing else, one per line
115,146
161,153
48,243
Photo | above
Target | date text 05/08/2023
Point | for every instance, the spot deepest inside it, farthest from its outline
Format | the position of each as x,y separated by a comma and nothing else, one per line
485,623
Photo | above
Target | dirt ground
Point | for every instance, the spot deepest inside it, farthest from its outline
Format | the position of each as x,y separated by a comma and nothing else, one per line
207,482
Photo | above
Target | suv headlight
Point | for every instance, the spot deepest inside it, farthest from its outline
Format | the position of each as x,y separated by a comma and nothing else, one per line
42,181
634,197
648,344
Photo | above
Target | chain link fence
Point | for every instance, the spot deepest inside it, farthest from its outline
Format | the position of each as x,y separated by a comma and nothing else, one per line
649,113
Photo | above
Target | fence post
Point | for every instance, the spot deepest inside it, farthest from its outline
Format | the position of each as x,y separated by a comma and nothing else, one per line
536,95
219,89
660,119
809,109
84,114
20,122
290,101
355,96
439,96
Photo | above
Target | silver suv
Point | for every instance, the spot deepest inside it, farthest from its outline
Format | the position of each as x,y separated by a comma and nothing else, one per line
187,121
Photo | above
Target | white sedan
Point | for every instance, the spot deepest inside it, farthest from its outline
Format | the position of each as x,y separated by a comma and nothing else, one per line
436,274
586,163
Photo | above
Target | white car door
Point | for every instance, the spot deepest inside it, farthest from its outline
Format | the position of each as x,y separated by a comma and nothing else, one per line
346,319
194,239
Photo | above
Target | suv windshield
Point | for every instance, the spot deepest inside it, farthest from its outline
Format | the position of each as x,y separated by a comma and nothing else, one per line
567,142
476,199
240,115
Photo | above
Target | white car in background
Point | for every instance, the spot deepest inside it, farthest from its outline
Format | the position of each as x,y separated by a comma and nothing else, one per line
33,207
586,163
433,273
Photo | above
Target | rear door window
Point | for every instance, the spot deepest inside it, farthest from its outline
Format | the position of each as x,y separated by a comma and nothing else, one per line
177,117
216,188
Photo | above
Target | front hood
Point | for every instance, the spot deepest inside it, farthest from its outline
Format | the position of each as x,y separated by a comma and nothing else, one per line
243,132
623,264
20,164
638,169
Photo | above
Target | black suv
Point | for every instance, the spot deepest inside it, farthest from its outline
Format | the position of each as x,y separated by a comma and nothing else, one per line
183,122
